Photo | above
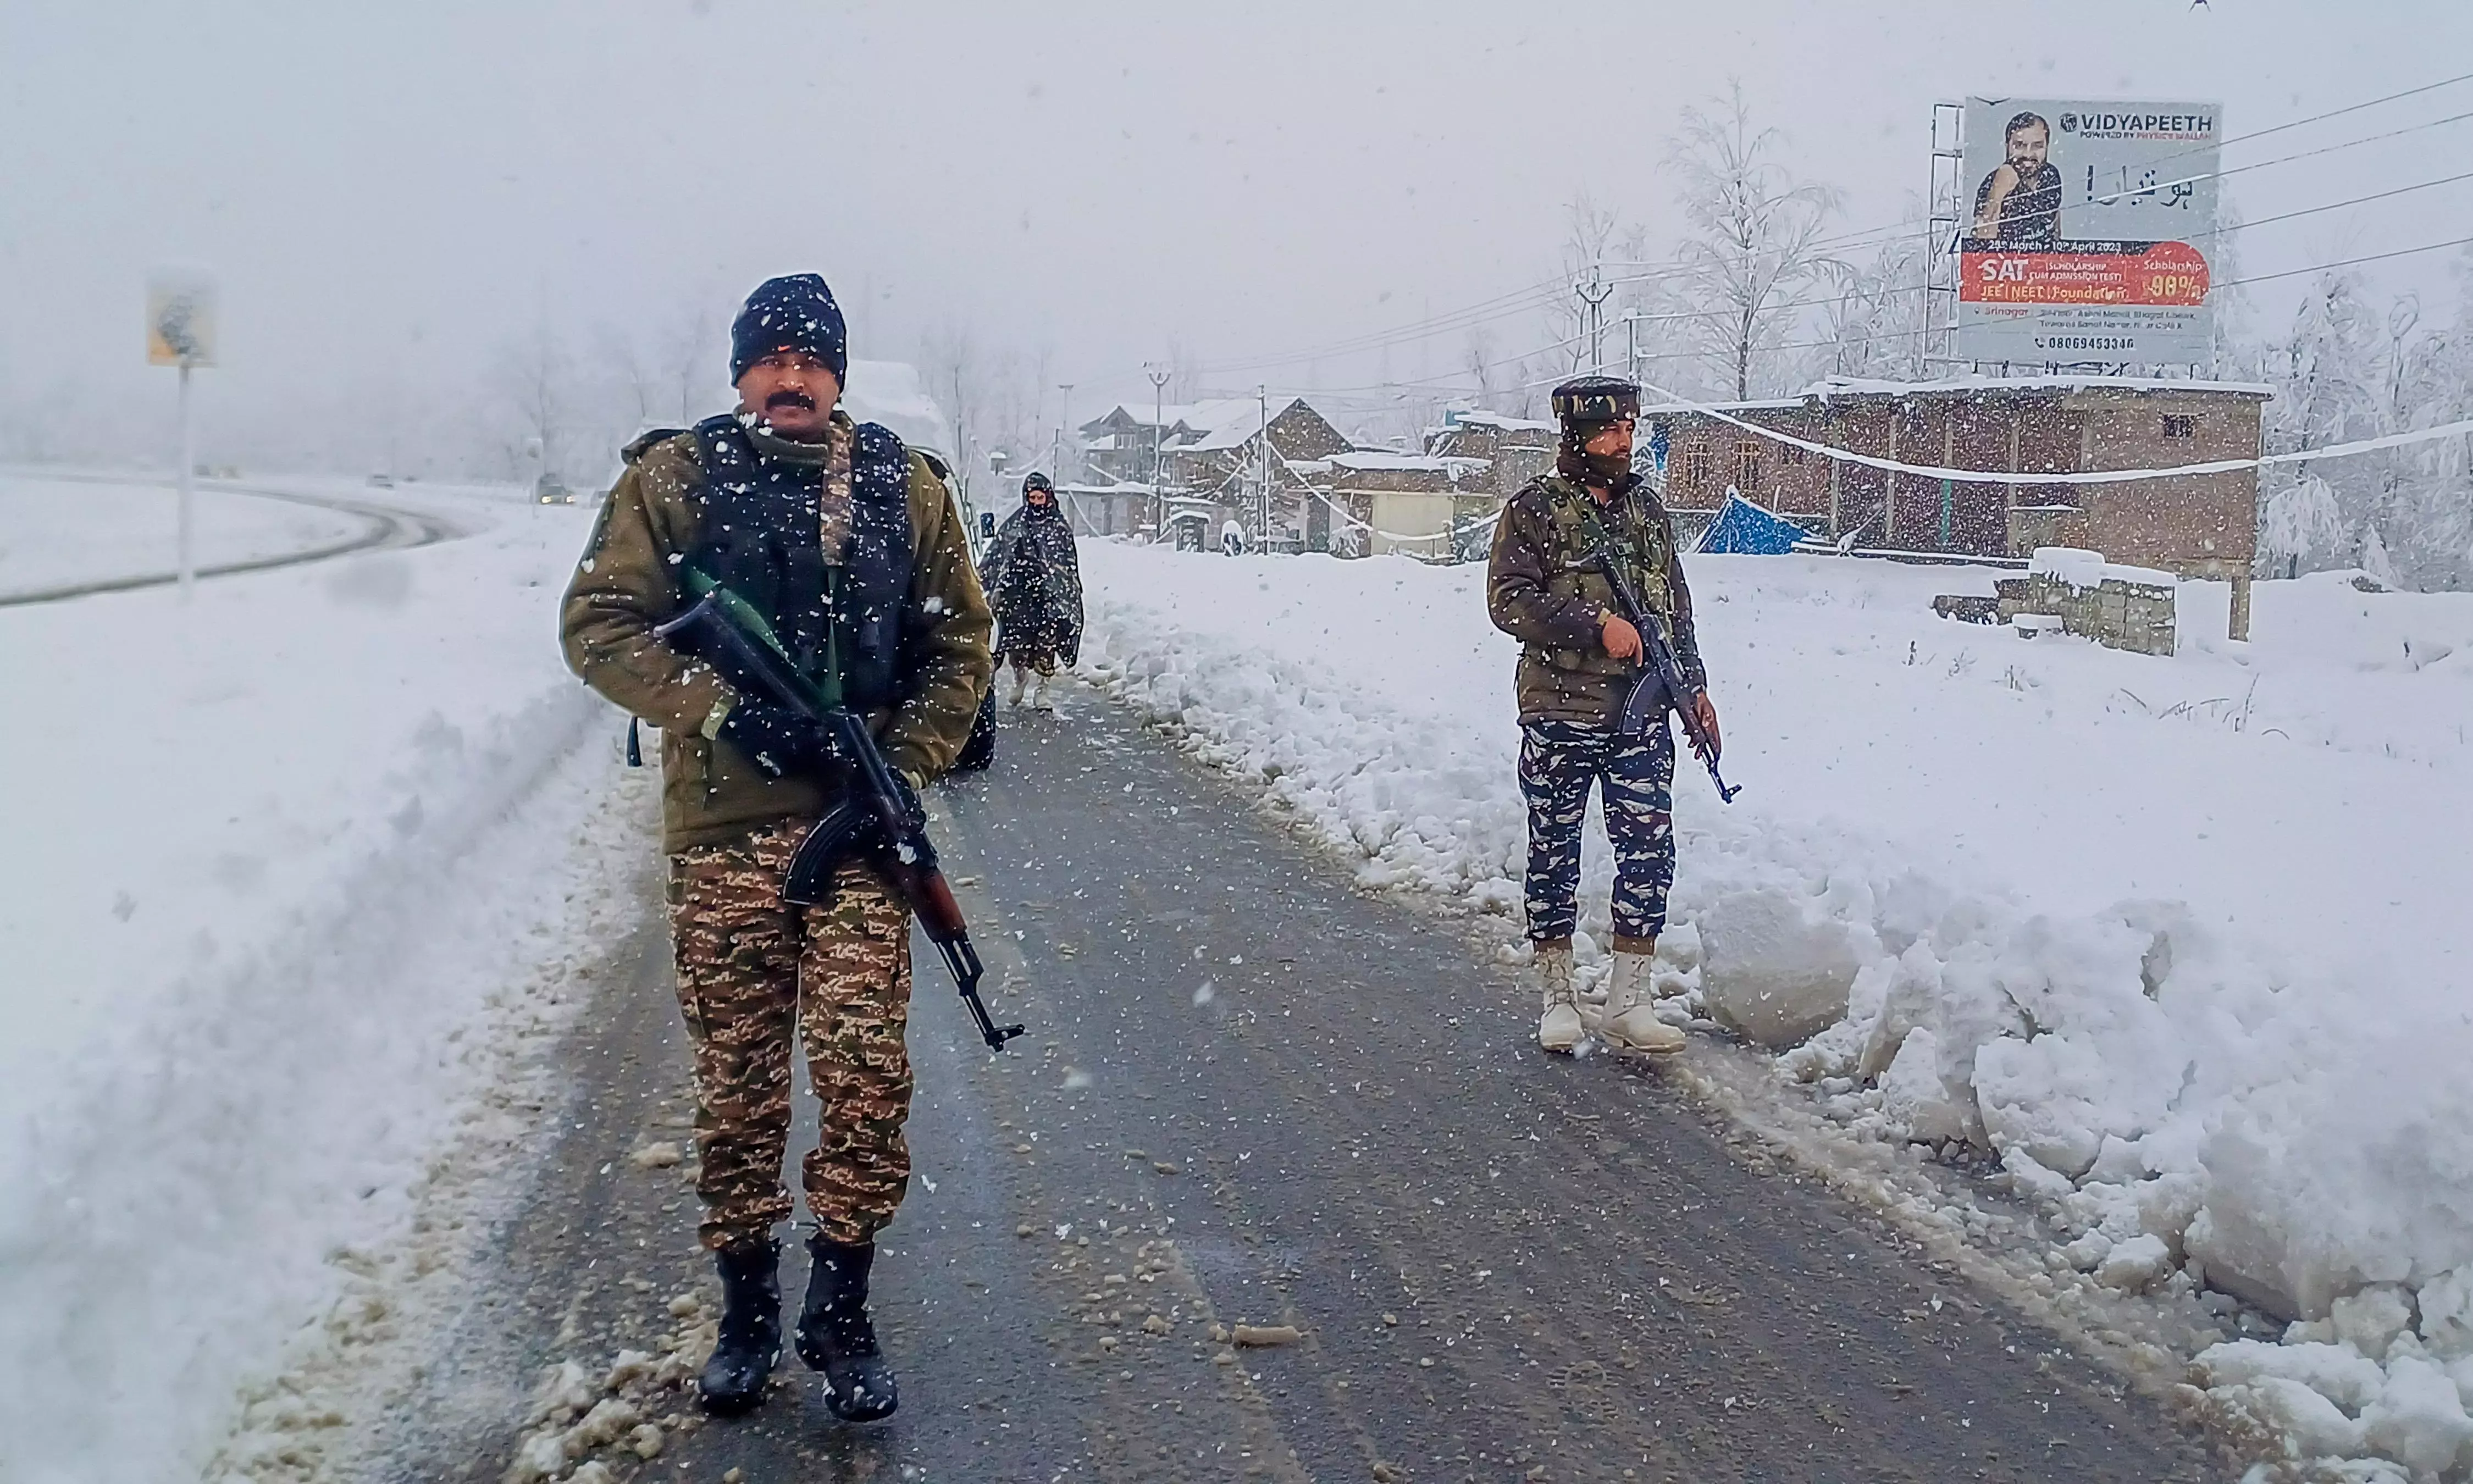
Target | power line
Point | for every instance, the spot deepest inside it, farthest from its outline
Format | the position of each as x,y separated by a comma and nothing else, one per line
1544,292
2320,118
2369,257
1915,334
2213,231
1929,233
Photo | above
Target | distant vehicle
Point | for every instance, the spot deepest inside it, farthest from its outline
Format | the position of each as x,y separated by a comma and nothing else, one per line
548,491
381,481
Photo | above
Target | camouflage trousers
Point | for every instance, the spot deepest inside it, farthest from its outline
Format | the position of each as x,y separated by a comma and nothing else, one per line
1558,762
758,979
1040,661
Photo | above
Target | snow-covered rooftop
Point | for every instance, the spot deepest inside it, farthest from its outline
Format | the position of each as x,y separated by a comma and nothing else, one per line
1409,462
1472,418
894,393
1226,423
1838,386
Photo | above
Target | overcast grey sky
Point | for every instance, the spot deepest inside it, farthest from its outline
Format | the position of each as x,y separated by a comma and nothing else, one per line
387,191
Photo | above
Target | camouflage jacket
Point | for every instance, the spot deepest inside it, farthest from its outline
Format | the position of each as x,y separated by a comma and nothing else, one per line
1533,595
626,584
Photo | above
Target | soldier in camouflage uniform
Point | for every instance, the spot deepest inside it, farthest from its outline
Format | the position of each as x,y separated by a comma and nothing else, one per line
851,546
1578,660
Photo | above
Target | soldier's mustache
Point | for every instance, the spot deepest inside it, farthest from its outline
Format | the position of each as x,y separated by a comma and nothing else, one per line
790,397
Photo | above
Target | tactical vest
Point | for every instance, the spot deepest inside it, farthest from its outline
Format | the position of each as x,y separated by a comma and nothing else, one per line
1642,541
762,535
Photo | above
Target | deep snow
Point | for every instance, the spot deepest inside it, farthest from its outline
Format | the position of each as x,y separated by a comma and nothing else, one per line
282,862
2182,939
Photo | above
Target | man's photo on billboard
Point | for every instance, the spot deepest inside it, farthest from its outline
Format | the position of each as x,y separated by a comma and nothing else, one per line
2019,203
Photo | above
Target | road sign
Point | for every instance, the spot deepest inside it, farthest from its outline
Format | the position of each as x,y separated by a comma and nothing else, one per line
180,321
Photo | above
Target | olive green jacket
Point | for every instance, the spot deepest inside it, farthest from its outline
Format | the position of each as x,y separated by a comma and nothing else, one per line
1533,594
627,583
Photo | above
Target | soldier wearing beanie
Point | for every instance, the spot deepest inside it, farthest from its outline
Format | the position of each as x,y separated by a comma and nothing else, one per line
852,548
1578,658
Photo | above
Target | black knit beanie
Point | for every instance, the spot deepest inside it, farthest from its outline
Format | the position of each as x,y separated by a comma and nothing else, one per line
795,312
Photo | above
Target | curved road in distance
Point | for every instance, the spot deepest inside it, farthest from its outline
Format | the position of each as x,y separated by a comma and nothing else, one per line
385,528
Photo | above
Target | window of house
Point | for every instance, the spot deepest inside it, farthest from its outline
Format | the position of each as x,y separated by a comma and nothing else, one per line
1794,453
2180,425
1695,467
1747,465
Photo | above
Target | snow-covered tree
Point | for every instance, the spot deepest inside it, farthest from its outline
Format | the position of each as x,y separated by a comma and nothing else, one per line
1752,234
2351,368
2298,526
1874,325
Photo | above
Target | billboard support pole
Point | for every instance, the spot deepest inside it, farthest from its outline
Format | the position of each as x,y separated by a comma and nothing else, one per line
189,488
1941,258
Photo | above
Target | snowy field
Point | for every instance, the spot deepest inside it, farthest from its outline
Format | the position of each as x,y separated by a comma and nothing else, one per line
284,863
2184,940
59,532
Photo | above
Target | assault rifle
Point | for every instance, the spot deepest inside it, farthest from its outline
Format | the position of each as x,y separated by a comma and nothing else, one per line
1661,682
879,820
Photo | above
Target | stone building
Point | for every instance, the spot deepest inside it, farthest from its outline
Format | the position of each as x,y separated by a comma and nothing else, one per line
2191,525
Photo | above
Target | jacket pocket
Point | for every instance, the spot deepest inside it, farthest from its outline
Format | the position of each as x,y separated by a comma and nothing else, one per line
686,774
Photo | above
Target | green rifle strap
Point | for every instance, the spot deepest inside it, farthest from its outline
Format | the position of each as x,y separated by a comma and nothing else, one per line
830,682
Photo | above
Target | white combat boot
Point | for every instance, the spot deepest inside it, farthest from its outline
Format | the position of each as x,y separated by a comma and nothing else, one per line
1628,1020
1558,1017
1020,684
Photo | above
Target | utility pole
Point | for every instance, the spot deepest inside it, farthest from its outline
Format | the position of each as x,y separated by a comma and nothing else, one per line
1631,346
1593,291
1157,371
1262,501
1064,423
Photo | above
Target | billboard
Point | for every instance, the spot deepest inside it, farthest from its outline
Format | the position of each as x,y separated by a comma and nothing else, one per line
2086,231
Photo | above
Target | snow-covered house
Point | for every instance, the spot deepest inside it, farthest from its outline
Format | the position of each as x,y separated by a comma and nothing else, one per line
1516,449
1213,454
1370,502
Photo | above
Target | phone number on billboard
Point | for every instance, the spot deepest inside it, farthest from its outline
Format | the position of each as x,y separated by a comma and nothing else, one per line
2084,342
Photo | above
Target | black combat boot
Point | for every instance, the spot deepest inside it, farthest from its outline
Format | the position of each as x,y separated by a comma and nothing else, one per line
834,1337
751,1327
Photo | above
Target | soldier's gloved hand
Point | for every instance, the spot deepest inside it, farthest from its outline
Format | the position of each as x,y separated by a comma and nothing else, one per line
780,740
908,787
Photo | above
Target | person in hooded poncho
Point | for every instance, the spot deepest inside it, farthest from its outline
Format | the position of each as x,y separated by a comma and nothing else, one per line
1033,578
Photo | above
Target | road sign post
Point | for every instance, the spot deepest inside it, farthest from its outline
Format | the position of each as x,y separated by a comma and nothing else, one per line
180,331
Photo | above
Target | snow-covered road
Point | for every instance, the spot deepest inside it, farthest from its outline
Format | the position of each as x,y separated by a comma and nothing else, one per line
289,865
76,532
2182,939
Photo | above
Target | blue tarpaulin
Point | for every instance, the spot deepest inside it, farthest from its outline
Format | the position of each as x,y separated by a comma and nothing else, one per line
1745,528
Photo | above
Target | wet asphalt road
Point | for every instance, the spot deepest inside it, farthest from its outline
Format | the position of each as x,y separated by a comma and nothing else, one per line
1252,1094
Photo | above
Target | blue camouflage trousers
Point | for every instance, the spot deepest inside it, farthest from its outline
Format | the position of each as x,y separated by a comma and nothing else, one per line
1558,762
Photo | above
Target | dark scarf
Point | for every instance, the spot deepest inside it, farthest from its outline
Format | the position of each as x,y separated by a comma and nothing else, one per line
1604,471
